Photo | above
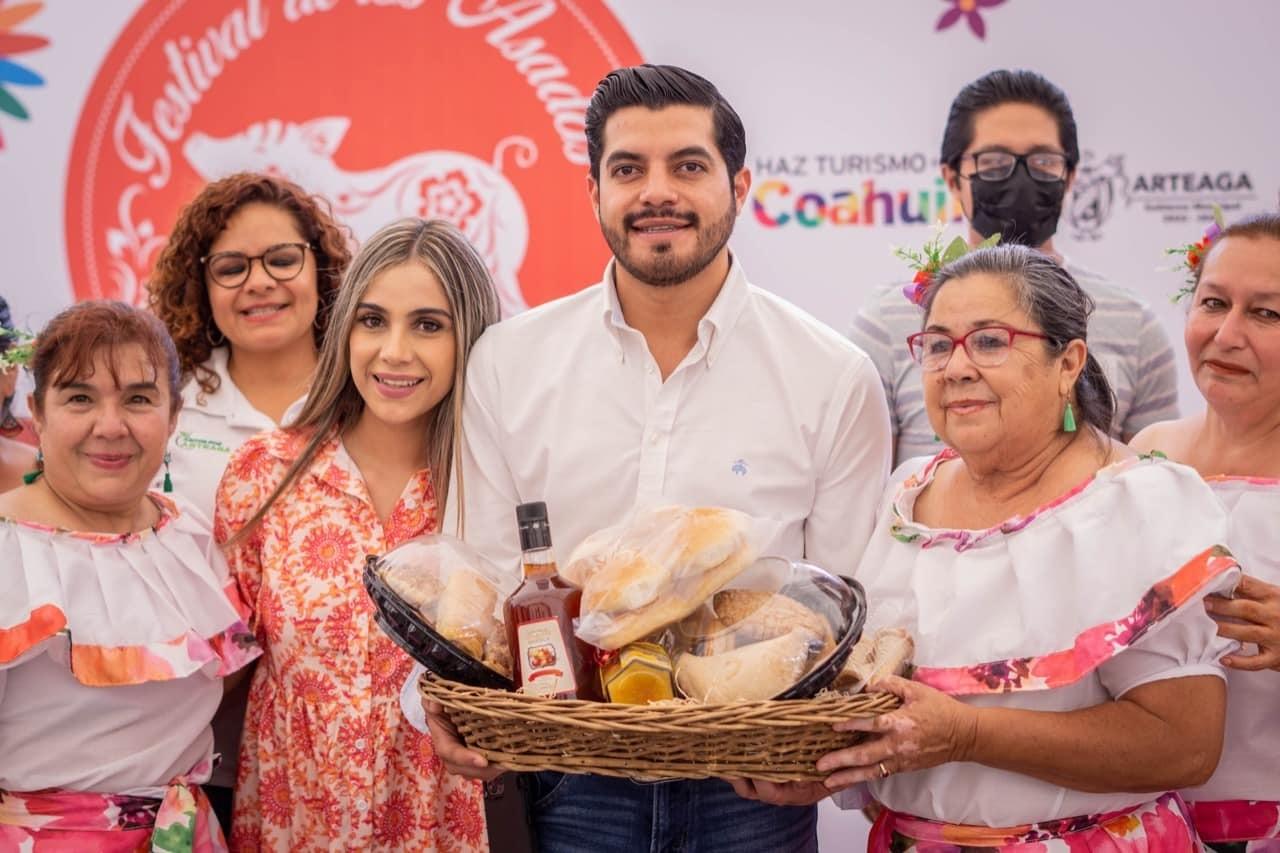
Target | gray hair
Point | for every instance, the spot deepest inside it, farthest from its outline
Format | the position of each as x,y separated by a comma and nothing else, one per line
334,403
1055,302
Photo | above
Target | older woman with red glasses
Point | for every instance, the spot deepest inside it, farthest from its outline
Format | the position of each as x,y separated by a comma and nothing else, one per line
1233,343
1067,676
119,622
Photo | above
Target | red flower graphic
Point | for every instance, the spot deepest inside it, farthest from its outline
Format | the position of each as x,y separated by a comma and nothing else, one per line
449,197
462,815
967,9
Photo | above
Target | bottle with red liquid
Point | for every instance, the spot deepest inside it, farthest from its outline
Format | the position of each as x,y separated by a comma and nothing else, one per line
540,617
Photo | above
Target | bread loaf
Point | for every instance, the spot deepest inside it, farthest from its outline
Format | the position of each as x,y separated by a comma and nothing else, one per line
416,586
755,616
886,652
758,671
615,630
465,613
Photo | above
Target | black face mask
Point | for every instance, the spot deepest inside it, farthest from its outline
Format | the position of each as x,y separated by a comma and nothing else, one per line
1022,209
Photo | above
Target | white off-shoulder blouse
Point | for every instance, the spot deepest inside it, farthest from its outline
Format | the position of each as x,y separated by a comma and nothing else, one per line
1072,605
112,653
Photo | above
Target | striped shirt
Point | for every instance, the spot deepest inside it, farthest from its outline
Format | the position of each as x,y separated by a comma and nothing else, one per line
1124,335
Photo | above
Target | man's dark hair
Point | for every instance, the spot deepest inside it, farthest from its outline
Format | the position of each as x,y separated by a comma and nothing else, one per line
655,87
1007,87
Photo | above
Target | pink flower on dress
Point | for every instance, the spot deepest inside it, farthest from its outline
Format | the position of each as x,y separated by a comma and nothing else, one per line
275,799
422,753
388,667
463,817
1166,829
356,738
967,9
338,625
313,687
329,550
394,821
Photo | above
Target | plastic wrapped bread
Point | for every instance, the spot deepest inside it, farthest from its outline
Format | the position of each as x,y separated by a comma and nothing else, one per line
457,592
656,569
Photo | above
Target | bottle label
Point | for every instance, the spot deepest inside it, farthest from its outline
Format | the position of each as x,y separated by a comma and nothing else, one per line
546,668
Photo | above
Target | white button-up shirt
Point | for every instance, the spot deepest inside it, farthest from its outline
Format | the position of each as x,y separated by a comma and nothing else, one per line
771,413
210,427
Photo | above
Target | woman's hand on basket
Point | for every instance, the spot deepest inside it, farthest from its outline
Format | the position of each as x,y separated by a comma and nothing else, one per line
930,728
449,747
1252,615
781,793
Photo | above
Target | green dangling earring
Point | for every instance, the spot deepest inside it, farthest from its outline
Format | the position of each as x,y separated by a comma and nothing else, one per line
168,481
34,474
1068,418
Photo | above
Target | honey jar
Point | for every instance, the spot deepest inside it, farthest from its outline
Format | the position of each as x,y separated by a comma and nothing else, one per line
636,674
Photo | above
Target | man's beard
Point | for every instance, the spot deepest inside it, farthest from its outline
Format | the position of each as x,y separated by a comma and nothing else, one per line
662,267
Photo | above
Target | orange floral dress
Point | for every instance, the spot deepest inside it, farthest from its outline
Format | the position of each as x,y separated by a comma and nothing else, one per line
328,761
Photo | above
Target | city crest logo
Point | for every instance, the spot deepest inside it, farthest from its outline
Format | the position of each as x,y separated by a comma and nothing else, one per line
1103,185
466,110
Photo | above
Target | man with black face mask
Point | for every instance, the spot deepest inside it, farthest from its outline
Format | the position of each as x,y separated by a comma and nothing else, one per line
1009,153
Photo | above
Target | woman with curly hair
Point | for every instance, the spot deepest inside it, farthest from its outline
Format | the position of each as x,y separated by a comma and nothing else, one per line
244,286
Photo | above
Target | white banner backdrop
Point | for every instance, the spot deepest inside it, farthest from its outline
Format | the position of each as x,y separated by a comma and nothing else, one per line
844,104
472,109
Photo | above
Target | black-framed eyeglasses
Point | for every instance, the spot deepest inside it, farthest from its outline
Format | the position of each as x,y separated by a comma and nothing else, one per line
282,262
997,165
988,346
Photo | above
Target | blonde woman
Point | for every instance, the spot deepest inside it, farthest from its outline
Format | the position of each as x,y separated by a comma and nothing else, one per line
327,761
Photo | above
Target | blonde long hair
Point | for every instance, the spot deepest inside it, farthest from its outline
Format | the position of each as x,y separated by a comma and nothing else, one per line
334,403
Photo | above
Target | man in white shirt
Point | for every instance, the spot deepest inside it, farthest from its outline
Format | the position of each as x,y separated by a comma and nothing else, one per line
673,380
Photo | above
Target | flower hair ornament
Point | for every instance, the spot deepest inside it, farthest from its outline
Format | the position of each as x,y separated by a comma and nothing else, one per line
932,257
22,346
1192,254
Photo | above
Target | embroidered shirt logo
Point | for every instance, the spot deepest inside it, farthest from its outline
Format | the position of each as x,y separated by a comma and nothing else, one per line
739,467
187,441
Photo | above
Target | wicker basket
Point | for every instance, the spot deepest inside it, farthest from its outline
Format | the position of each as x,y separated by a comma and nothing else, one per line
776,740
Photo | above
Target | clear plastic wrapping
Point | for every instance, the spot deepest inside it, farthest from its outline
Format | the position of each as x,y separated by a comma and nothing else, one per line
656,568
780,629
457,592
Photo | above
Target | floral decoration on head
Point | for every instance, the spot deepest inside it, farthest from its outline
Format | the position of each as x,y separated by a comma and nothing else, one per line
1193,254
932,257
20,347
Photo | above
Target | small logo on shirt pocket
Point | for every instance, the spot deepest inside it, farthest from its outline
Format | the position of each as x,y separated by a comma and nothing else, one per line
739,467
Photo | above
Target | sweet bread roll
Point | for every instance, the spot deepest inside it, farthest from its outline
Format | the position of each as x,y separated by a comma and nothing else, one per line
416,586
758,671
886,652
677,602
497,656
663,548
755,616
589,557
465,612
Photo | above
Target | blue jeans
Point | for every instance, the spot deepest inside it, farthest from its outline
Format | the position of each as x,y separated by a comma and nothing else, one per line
599,814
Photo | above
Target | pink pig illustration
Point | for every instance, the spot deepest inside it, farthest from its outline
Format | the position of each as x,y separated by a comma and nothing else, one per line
468,192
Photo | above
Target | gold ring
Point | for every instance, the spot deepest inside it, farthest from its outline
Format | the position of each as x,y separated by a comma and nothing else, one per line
884,771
